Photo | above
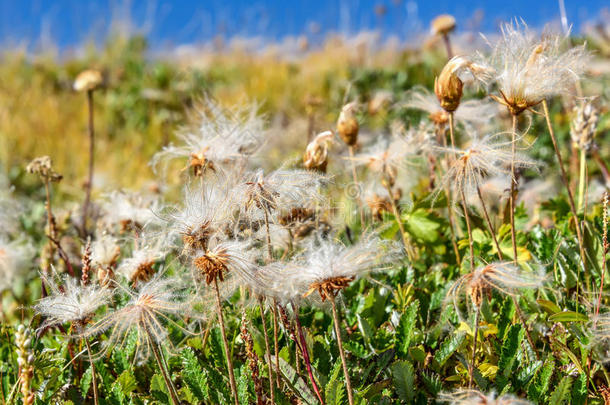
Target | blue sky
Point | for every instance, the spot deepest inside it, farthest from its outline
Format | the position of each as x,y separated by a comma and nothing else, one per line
169,22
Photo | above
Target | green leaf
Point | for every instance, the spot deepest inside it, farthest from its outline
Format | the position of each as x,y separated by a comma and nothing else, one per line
335,389
423,225
296,383
406,327
579,390
243,384
403,376
127,382
568,316
541,383
85,382
509,350
549,306
561,394
448,346
193,375
158,390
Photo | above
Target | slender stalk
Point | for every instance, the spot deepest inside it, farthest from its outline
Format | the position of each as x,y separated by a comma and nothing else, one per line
93,376
513,183
602,165
336,322
164,372
305,352
564,178
357,184
269,248
448,196
605,253
447,42
474,346
275,344
267,350
89,184
582,178
401,226
226,344
470,240
489,224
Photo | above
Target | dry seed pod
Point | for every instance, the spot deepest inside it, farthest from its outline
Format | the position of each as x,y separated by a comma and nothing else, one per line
584,125
347,125
88,80
316,153
448,85
443,24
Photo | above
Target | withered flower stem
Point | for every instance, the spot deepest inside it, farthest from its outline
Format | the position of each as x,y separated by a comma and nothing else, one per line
474,345
336,322
267,349
305,352
164,371
275,343
89,184
357,184
564,178
448,194
225,343
401,226
468,227
513,183
93,376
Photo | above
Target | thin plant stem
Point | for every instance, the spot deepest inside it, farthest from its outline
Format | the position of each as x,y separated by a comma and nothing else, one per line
276,346
468,227
513,183
269,248
93,376
489,224
448,196
357,184
401,226
164,372
474,346
447,42
564,178
305,353
582,178
336,322
226,344
451,135
89,184
605,253
267,350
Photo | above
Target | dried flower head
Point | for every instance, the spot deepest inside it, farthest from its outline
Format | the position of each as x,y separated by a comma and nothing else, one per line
329,267
347,124
105,251
487,156
145,313
474,397
316,153
71,301
221,138
139,267
529,69
584,125
43,167
442,24
223,258
282,189
130,211
448,86
503,277
88,80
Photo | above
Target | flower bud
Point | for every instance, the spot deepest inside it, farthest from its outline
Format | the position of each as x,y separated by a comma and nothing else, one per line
347,125
88,80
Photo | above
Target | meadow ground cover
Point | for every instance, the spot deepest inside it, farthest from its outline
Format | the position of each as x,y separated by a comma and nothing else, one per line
349,224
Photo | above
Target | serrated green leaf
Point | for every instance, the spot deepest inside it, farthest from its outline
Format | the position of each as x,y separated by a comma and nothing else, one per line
127,382
541,383
509,350
406,328
335,389
448,347
193,375
403,376
561,394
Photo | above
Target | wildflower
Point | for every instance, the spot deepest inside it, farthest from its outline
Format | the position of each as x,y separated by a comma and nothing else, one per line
71,302
130,210
88,80
43,167
584,125
25,360
500,276
222,137
331,266
529,69
485,156
347,124
145,313
221,258
474,397
316,153
448,85
148,250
